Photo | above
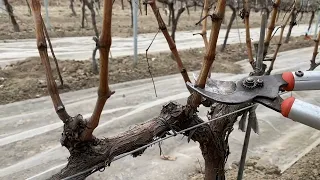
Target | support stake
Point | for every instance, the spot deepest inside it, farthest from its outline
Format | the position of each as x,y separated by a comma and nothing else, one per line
46,4
244,150
135,30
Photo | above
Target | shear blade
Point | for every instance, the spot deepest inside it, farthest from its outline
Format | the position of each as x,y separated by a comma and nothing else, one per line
214,96
217,86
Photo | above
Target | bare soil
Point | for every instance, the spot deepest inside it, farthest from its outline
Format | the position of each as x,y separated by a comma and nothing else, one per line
63,24
26,79
307,168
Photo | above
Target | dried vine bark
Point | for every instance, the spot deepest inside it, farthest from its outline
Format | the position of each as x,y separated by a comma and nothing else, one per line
11,15
282,27
313,64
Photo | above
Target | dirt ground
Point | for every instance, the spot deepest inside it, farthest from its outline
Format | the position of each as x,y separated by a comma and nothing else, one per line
26,79
63,24
307,168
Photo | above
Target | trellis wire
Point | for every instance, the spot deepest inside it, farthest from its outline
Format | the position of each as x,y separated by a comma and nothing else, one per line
103,165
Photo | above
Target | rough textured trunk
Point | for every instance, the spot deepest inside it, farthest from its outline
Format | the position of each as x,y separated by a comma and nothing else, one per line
232,18
292,23
11,15
72,8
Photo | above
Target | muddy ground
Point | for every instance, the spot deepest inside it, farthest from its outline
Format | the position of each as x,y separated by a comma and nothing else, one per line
63,24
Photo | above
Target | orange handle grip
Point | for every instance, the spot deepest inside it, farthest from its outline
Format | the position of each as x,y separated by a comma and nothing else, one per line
289,78
286,106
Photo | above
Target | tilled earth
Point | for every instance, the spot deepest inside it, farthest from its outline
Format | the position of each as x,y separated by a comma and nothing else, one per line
307,168
26,79
63,24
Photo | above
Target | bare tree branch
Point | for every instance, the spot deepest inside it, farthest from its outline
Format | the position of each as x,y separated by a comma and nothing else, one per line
11,15
103,91
280,39
313,64
42,48
246,15
216,18
172,46
271,26
204,26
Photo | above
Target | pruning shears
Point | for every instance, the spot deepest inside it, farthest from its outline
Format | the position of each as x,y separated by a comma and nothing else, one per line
265,90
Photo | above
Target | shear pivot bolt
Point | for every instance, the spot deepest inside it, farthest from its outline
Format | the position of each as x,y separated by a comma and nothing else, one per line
249,83
259,82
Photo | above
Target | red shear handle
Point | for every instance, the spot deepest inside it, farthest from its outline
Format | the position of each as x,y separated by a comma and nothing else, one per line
300,111
302,80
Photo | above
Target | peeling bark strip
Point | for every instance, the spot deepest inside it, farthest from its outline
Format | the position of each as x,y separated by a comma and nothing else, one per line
87,155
